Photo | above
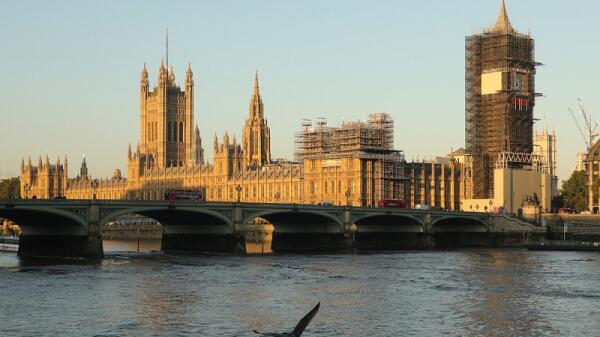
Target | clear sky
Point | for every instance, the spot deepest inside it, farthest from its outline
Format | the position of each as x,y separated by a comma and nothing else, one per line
70,69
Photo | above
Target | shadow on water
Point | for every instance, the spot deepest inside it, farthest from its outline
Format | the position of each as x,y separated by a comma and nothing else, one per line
27,264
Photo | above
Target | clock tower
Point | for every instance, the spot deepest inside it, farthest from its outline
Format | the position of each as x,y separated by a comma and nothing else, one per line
499,100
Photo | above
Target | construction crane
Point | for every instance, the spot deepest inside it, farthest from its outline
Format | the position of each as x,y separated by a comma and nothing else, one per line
590,134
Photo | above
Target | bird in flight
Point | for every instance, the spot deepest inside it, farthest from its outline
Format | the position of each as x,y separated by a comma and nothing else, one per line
299,327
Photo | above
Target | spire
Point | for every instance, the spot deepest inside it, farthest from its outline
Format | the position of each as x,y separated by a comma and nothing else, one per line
503,23
189,76
256,105
22,165
256,92
144,72
144,80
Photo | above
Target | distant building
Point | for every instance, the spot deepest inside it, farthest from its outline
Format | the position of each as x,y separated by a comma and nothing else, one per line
499,102
580,162
544,145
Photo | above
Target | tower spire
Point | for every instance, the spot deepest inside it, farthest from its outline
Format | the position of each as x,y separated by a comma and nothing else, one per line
256,88
503,24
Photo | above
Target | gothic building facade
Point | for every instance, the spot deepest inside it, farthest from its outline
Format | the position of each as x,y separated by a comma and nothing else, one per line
354,164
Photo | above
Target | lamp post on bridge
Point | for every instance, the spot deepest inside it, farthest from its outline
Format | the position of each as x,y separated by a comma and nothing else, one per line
94,188
347,195
238,189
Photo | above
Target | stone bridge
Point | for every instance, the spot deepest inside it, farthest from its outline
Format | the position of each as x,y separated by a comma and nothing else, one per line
73,227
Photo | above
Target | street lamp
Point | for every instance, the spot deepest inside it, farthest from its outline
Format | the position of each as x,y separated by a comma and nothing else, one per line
347,194
238,189
94,187
277,195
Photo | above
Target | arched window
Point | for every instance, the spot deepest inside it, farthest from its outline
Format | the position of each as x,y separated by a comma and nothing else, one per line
181,131
169,132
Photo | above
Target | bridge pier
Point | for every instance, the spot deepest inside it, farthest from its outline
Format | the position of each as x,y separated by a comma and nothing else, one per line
201,239
286,242
63,246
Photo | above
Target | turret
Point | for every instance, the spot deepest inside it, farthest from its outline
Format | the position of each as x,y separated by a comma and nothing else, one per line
66,167
226,139
171,76
22,165
189,81
162,73
144,84
83,172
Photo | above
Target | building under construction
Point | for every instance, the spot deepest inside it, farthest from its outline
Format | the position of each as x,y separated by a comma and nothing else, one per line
357,160
499,102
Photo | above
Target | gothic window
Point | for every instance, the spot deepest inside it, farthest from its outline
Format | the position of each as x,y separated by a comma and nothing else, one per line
169,131
148,133
181,131
255,142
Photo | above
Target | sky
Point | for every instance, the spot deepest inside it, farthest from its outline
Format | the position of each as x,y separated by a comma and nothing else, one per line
71,70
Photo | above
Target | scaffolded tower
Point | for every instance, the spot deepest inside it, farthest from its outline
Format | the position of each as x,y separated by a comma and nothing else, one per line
499,101
350,139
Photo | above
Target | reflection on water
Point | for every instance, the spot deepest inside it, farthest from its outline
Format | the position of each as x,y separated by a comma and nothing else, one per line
486,292
153,245
141,245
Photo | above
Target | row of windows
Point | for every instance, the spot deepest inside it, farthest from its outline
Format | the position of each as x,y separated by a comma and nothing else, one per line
329,187
175,132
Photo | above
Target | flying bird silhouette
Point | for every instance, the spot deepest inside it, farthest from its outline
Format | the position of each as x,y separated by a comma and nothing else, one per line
298,330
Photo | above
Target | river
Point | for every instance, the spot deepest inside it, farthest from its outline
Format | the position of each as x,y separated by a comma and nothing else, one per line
489,292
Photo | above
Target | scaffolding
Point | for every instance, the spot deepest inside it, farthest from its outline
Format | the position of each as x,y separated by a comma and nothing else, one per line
320,141
499,101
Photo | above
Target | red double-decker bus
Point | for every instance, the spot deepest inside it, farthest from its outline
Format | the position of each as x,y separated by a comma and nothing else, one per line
391,203
190,195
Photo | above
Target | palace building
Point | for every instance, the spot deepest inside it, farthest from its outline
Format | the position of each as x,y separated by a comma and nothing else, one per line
354,164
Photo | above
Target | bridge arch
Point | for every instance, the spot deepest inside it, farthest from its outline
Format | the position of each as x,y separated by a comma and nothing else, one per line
388,231
45,220
390,222
459,224
298,230
174,216
300,220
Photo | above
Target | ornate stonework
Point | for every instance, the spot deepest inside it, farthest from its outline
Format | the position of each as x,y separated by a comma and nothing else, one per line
359,171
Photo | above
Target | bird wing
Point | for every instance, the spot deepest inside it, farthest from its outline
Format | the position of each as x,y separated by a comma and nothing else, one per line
305,320
267,334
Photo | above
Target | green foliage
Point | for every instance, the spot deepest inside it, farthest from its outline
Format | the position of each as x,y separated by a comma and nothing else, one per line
575,191
10,189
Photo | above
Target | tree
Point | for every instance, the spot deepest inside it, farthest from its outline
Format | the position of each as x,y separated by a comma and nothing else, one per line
575,191
10,188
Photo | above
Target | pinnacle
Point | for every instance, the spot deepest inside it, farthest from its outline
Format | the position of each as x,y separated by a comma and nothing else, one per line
503,24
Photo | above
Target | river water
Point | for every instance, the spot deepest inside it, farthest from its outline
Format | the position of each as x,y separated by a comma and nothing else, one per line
490,292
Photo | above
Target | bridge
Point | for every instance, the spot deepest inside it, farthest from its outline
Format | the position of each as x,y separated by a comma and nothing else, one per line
72,228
